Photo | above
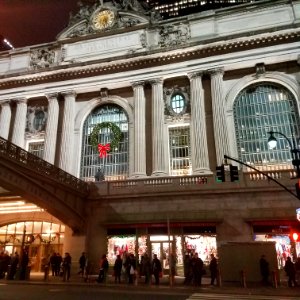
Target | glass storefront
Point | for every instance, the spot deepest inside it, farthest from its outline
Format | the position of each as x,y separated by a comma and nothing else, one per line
40,239
163,245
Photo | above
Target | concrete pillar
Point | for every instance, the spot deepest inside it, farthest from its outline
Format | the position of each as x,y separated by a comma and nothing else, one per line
139,130
160,166
18,135
219,119
51,128
5,118
67,135
199,148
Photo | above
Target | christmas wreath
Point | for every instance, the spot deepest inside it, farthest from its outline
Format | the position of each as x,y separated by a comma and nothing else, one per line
103,149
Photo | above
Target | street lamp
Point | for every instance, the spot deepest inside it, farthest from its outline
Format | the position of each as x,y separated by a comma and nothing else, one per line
272,142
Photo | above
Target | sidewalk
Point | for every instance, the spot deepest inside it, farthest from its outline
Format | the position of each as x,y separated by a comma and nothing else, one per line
226,288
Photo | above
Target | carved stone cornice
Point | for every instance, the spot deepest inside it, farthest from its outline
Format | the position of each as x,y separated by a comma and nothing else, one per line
135,62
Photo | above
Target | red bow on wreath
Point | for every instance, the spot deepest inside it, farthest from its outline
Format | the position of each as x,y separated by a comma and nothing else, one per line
103,149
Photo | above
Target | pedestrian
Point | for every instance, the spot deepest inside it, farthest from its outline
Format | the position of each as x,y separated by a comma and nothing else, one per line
53,263
264,270
118,269
103,269
187,269
58,265
290,270
131,268
156,268
67,261
197,265
213,268
297,267
23,264
13,266
82,264
146,268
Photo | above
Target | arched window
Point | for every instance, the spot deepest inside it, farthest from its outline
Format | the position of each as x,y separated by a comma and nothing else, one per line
115,165
258,109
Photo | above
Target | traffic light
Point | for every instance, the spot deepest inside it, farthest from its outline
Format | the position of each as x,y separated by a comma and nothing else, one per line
295,236
234,173
220,174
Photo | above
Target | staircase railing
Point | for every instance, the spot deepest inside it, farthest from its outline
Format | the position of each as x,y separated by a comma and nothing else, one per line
14,153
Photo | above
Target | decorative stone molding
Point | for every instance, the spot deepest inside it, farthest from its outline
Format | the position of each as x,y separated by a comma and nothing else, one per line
260,70
174,35
168,94
32,126
42,58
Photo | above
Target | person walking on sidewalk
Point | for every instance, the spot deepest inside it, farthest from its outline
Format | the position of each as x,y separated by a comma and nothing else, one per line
156,268
67,261
290,270
264,270
82,264
213,268
103,269
118,269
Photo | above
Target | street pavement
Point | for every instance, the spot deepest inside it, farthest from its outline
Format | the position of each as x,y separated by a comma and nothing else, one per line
110,290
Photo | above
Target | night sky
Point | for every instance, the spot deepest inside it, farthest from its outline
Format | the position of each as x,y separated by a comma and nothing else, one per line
31,22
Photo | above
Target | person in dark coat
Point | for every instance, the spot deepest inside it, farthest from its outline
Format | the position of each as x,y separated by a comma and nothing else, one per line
58,261
188,270
264,270
67,261
290,270
82,264
103,269
23,265
13,266
213,268
118,269
53,263
131,268
156,268
197,264
146,268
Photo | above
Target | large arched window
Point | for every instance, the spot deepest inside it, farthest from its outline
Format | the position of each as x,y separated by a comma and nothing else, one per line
258,109
115,164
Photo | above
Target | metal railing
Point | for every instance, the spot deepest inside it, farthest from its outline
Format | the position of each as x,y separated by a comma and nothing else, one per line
22,157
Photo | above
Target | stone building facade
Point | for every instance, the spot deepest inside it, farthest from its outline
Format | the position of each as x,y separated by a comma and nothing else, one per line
174,96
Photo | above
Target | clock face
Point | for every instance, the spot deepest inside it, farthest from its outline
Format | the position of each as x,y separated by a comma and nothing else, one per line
103,19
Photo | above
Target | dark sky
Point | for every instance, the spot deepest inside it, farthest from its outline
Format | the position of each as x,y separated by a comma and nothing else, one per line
30,22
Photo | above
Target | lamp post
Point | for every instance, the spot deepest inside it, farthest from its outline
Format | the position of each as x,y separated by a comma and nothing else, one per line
272,142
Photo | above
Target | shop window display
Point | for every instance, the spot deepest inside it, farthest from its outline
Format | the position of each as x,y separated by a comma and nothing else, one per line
282,244
118,245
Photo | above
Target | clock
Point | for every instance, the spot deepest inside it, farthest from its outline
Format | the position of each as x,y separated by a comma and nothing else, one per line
103,19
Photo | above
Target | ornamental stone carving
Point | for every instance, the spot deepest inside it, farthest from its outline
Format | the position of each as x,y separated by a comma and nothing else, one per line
174,35
169,93
36,120
42,58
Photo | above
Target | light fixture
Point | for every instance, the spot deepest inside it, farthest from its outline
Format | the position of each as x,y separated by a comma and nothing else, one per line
272,141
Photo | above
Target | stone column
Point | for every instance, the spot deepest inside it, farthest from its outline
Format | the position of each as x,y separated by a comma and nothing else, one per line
139,130
5,118
66,148
18,135
159,154
199,149
219,120
51,128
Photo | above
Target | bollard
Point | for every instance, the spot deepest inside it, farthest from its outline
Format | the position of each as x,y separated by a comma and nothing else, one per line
243,278
274,279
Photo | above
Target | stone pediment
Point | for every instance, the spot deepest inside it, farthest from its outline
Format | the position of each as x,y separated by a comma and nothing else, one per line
108,16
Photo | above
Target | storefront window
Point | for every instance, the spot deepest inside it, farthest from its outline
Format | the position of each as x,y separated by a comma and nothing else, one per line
118,245
282,245
203,245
